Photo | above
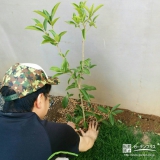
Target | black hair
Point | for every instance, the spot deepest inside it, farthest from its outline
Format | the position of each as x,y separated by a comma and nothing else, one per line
24,104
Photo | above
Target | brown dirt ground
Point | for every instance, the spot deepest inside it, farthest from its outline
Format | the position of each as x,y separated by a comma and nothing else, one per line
147,123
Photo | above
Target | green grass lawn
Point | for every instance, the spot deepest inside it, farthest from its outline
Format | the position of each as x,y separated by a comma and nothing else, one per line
112,140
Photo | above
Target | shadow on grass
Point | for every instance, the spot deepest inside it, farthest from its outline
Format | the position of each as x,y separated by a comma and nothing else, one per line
112,145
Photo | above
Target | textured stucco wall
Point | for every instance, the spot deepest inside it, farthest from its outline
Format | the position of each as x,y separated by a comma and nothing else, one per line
125,47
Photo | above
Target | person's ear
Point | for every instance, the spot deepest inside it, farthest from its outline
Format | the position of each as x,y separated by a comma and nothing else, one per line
38,101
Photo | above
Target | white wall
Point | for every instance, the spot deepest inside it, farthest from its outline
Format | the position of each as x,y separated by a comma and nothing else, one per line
125,47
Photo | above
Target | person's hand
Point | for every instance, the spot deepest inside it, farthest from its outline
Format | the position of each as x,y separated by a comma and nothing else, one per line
92,131
88,138
71,124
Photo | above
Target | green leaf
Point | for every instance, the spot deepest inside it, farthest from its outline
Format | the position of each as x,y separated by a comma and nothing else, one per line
115,107
88,88
78,107
87,8
46,41
79,77
118,111
78,111
98,7
69,80
73,85
45,24
91,96
89,114
80,11
74,76
120,121
109,110
102,109
98,117
56,69
111,119
89,105
53,33
75,5
54,21
85,125
39,25
95,18
36,20
87,62
78,119
65,65
57,38
54,43
83,17
54,9
34,28
69,118
62,33
81,4
42,14
104,122
84,3
79,69
91,10
58,74
92,66
47,37
84,33
114,114
66,53
65,102
71,22
47,14
85,94
91,23
94,25
70,95
86,71
77,19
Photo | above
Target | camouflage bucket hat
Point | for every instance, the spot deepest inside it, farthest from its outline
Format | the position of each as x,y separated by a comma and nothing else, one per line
25,78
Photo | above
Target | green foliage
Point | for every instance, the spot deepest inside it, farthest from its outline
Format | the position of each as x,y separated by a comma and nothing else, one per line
50,36
65,100
83,18
110,112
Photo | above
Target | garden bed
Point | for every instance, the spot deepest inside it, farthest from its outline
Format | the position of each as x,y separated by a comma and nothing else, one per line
131,128
145,122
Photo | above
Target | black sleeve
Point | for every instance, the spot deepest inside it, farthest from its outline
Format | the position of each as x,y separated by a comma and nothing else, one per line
62,137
